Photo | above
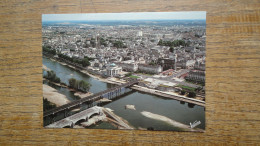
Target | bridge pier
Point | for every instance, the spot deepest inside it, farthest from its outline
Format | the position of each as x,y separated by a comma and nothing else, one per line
53,116
72,125
67,112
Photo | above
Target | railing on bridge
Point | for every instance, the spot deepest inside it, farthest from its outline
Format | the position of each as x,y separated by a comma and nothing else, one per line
87,99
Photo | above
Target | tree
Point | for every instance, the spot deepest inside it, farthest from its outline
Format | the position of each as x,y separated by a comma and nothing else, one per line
48,50
51,75
192,94
152,63
83,86
174,43
119,44
47,105
183,92
103,42
128,74
85,62
72,83
79,85
160,43
171,49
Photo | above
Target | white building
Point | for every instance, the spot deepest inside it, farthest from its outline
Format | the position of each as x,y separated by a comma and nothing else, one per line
154,69
199,66
113,70
140,33
196,76
190,63
128,65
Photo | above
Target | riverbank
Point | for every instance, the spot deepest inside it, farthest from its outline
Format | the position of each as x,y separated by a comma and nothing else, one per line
85,72
119,122
53,96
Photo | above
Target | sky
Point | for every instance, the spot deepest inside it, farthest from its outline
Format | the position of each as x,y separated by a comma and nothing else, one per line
126,16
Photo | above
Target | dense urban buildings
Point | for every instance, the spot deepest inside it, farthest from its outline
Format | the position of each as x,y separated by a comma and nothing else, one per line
145,48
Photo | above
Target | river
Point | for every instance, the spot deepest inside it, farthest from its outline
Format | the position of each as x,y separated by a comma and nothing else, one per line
173,109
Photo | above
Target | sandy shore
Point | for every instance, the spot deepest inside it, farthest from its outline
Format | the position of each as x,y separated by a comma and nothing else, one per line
53,96
83,95
169,121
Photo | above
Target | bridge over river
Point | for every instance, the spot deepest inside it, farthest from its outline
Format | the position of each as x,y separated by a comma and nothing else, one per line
72,120
109,94
84,117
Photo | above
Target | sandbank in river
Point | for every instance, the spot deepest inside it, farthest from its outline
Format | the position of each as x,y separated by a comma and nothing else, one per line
169,121
54,96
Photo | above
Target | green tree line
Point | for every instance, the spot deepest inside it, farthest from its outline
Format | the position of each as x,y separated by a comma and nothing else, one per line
172,44
47,49
119,44
84,62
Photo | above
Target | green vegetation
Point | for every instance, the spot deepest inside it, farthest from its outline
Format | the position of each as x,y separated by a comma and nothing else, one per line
103,42
48,50
131,76
183,92
84,62
142,73
79,85
172,44
202,83
119,44
192,94
47,105
152,63
128,74
86,57
51,75
171,49
190,90
135,77
187,88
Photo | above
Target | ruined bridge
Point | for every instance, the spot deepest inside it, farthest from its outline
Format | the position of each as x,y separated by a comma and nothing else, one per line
109,93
